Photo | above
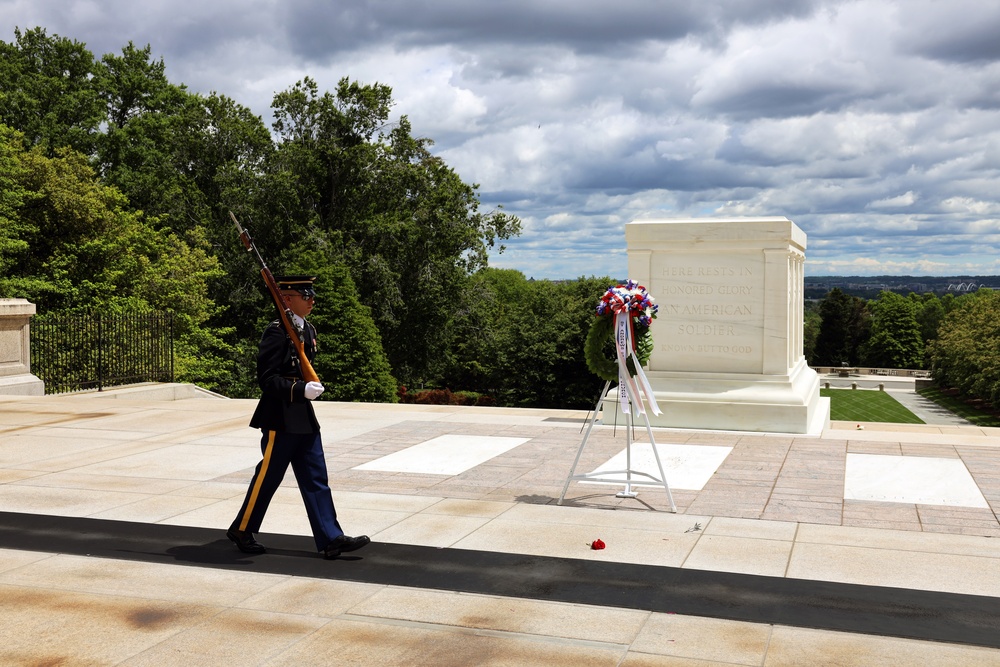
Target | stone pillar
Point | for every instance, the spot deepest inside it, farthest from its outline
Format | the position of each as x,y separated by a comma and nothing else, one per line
729,333
15,349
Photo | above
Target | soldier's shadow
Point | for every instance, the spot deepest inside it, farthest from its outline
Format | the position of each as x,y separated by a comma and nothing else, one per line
221,552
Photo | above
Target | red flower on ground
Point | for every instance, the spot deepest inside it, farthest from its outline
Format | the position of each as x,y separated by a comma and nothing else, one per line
597,544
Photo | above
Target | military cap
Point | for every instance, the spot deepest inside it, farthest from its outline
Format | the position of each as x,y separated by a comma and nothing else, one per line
301,284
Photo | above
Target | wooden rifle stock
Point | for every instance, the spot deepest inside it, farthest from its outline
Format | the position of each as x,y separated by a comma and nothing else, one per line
294,333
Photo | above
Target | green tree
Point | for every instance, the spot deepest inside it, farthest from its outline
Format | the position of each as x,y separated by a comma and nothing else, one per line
76,232
895,340
966,353
13,247
929,311
350,359
481,322
844,329
404,223
81,248
571,384
186,160
149,120
522,341
543,346
170,165
47,91
812,321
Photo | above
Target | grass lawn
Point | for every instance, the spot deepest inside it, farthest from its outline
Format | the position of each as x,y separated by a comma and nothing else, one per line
959,407
867,405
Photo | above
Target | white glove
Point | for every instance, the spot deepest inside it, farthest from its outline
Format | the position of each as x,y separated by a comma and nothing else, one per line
313,389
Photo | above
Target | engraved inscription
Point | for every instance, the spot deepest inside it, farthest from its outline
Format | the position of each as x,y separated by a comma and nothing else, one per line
710,349
709,309
706,330
706,309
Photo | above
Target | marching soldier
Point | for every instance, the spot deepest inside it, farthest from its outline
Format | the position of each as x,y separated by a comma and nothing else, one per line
291,435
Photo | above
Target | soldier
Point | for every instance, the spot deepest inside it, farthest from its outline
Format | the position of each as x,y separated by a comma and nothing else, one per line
290,433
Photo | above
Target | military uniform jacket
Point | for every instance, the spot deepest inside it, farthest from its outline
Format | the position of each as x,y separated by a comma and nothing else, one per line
283,405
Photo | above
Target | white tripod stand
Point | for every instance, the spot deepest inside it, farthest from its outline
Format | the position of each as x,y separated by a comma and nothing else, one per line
624,394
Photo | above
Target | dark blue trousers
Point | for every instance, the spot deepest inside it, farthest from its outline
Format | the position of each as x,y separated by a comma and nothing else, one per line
304,452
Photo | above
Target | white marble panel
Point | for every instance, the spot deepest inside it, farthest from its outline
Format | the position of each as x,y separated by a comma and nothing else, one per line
685,466
444,455
919,480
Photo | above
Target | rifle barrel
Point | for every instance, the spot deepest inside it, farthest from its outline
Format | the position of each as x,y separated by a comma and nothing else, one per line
284,312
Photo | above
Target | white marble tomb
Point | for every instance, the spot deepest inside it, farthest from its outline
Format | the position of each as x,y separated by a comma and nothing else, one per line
728,337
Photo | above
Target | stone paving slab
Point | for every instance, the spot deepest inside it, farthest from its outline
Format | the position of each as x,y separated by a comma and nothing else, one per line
778,478
772,502
611,578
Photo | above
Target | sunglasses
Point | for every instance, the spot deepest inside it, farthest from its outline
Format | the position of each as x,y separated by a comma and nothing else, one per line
306,296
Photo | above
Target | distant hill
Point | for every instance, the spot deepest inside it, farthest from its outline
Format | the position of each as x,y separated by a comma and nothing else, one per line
817,287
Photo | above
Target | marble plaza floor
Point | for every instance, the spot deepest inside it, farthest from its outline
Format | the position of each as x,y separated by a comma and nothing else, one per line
873,546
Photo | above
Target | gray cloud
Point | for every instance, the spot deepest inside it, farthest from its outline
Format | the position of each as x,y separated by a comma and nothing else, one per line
960,31
585,26
873,124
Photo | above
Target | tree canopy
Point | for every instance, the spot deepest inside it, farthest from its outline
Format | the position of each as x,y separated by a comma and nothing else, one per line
844,326
895,340
117,187
966,353
48,91
77,246
404,223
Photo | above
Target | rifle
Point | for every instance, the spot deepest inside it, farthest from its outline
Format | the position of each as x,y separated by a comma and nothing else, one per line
294,333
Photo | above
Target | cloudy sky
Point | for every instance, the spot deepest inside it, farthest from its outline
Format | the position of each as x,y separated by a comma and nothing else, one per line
873,124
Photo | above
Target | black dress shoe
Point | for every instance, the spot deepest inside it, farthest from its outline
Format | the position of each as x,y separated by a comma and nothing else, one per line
343,544
245,541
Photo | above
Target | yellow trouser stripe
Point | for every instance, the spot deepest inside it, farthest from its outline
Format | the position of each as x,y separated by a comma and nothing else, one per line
260,480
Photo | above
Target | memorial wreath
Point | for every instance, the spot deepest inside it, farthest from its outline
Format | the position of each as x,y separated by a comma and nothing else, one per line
600,354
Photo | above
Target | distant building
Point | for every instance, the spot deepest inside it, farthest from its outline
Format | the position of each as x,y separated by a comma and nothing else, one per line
817,287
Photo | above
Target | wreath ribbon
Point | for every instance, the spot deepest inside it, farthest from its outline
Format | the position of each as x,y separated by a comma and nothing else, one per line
631,389
624,315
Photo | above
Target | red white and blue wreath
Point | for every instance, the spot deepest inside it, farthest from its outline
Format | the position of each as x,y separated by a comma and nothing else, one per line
622,327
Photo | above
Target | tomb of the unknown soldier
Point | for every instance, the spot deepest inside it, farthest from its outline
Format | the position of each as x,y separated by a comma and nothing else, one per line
728,349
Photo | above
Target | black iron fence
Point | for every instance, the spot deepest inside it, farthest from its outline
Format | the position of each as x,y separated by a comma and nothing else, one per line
77,352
